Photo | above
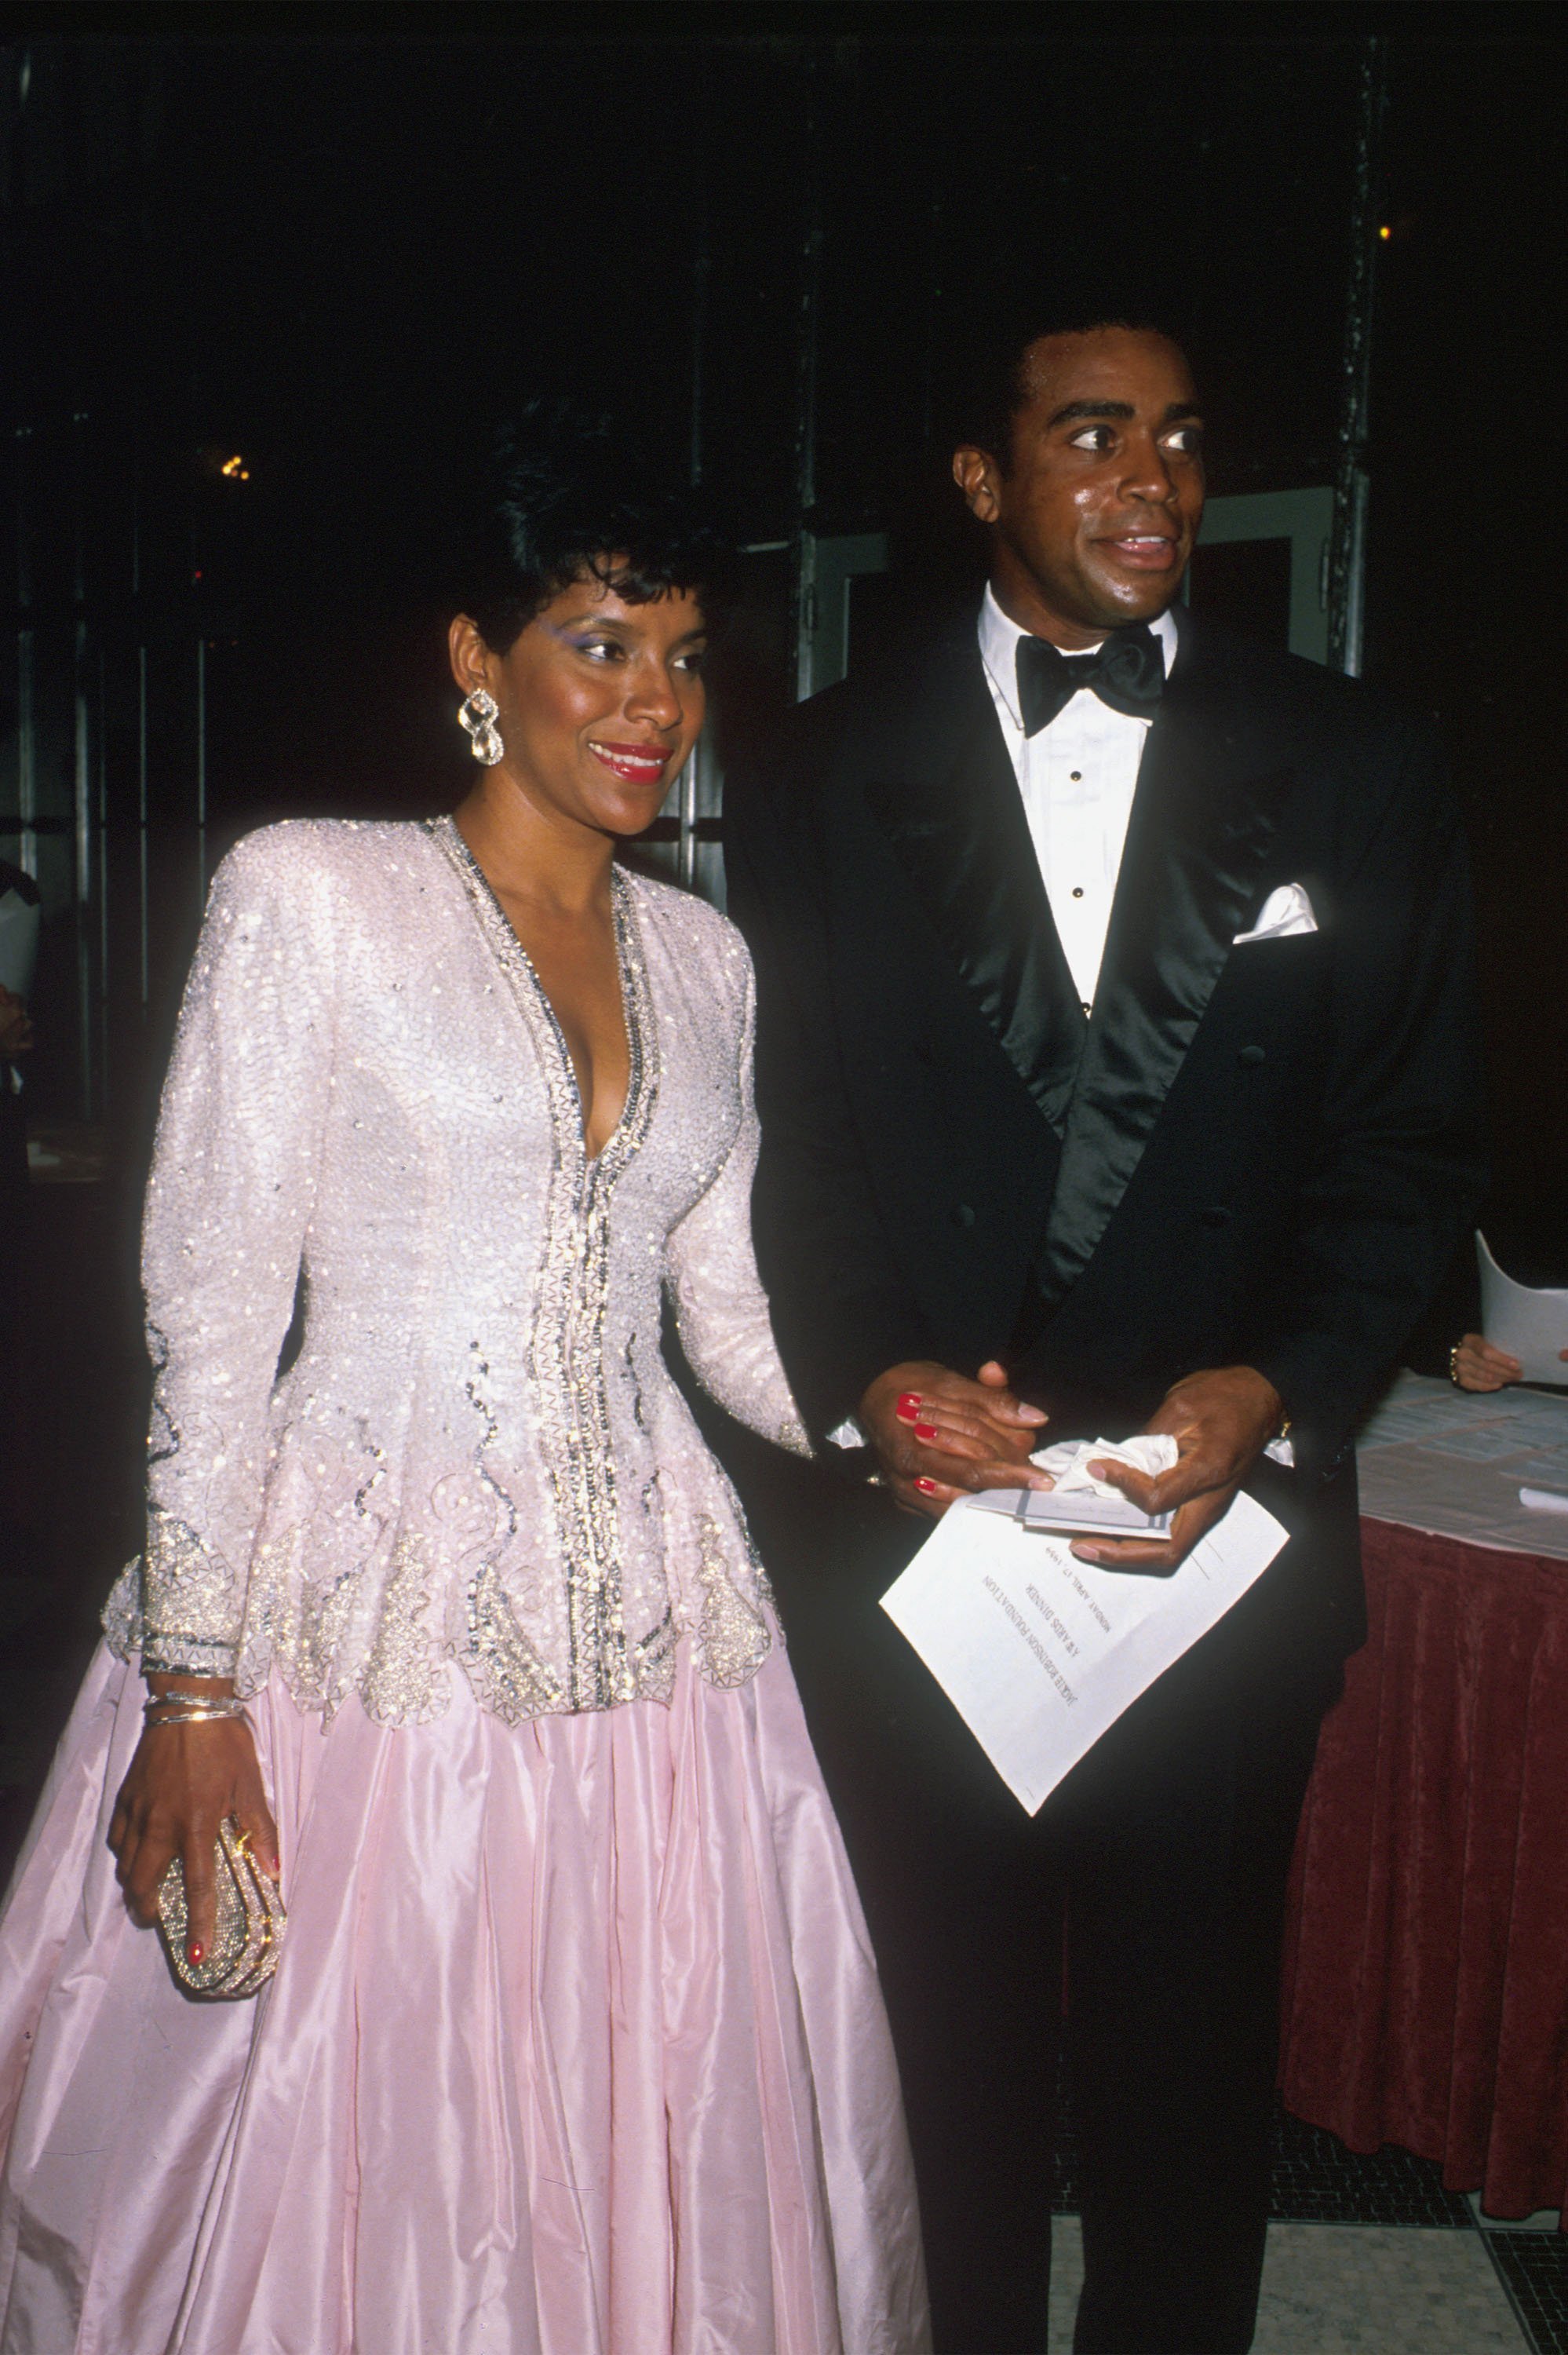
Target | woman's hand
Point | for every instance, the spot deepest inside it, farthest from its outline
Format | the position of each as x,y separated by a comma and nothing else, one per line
182,1783
939,1435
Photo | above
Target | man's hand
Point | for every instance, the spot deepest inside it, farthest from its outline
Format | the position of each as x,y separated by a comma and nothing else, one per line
1220,1422
939,1435
15,1025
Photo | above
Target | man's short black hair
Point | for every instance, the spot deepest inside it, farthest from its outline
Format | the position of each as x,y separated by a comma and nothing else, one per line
568,495
993,389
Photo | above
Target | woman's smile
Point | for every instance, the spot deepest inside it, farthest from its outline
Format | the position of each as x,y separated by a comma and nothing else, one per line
635,765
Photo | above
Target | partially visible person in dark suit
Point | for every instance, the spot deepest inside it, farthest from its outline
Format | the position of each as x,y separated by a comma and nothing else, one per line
1115,1038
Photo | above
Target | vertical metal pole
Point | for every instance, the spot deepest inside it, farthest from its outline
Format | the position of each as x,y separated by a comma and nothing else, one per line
81,778
144,951
806,396
27,714
142,818
101,791
1347,546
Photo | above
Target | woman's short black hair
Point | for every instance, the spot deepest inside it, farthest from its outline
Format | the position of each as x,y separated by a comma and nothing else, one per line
568,494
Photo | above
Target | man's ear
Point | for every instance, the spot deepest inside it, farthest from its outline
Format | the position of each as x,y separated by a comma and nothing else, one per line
977,475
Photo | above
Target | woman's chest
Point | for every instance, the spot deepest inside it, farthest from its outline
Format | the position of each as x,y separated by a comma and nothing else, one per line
452,1071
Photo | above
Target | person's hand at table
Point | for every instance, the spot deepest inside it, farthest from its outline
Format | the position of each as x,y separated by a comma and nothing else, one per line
939,1436
1477,1364
1221,1421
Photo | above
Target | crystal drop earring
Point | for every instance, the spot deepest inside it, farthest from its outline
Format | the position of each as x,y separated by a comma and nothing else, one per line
477,718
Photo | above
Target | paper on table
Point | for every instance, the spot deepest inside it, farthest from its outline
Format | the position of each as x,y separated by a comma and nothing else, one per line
1529,1324
1039,1652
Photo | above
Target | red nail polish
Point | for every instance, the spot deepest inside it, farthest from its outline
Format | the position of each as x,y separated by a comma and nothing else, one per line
909,1407
925,1431
194,1952
927,1487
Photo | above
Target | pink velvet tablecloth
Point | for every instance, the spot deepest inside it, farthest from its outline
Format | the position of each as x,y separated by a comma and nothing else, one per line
1425,1985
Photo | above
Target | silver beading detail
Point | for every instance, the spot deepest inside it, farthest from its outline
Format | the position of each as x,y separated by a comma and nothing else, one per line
734,1634
566,1354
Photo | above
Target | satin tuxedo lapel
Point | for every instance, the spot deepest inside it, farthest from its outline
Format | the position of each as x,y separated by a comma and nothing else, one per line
955,818
1203,819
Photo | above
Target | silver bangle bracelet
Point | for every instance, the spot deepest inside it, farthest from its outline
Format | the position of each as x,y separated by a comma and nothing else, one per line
181,1709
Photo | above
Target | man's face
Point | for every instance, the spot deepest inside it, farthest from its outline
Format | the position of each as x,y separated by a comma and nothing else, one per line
1095,516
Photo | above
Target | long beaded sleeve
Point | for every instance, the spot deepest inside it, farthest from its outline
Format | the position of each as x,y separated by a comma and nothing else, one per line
235,1168
721,1308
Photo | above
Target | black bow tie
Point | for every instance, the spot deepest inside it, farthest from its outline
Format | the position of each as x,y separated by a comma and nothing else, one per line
1127,671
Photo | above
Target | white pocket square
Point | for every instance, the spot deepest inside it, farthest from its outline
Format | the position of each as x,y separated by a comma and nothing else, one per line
1284,911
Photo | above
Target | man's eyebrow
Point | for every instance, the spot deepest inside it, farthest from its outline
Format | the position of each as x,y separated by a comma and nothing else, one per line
1073,412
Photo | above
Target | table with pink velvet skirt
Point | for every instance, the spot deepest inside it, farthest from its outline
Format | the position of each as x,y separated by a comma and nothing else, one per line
1425,1988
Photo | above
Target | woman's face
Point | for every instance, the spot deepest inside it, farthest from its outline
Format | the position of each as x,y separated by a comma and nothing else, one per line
599,702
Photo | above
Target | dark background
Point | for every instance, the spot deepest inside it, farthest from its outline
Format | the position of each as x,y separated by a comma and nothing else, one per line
338,244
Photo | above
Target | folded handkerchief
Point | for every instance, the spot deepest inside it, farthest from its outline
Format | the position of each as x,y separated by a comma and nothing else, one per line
1068,1461
1284,911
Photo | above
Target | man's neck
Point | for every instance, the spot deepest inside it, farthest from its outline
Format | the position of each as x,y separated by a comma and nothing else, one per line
1026,612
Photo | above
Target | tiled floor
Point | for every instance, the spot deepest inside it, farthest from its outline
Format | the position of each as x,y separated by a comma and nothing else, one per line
1371,2256
1347,2289
1533,2267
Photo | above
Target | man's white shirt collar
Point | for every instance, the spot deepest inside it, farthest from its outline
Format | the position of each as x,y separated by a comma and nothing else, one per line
998,650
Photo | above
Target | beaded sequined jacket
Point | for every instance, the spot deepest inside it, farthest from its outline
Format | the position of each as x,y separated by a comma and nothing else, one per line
478,1460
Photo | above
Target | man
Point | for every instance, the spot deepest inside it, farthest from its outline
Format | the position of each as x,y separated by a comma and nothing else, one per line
1115,1038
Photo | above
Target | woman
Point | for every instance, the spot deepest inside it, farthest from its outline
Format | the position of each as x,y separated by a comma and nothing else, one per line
575,2044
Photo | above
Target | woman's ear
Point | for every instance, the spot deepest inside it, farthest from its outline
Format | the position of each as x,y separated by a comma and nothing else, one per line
471,657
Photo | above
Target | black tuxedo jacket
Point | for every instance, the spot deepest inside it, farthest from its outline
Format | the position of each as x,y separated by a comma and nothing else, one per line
1260,1155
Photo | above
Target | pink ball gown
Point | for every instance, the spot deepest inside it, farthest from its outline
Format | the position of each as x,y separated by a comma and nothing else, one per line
576,2046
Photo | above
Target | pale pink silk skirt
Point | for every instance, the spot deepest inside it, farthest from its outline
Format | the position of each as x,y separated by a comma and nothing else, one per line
576,2048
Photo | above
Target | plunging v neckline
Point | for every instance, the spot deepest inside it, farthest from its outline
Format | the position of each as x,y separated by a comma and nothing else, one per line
570,1115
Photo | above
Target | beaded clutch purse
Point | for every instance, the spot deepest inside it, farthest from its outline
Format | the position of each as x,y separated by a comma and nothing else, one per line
249,1936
